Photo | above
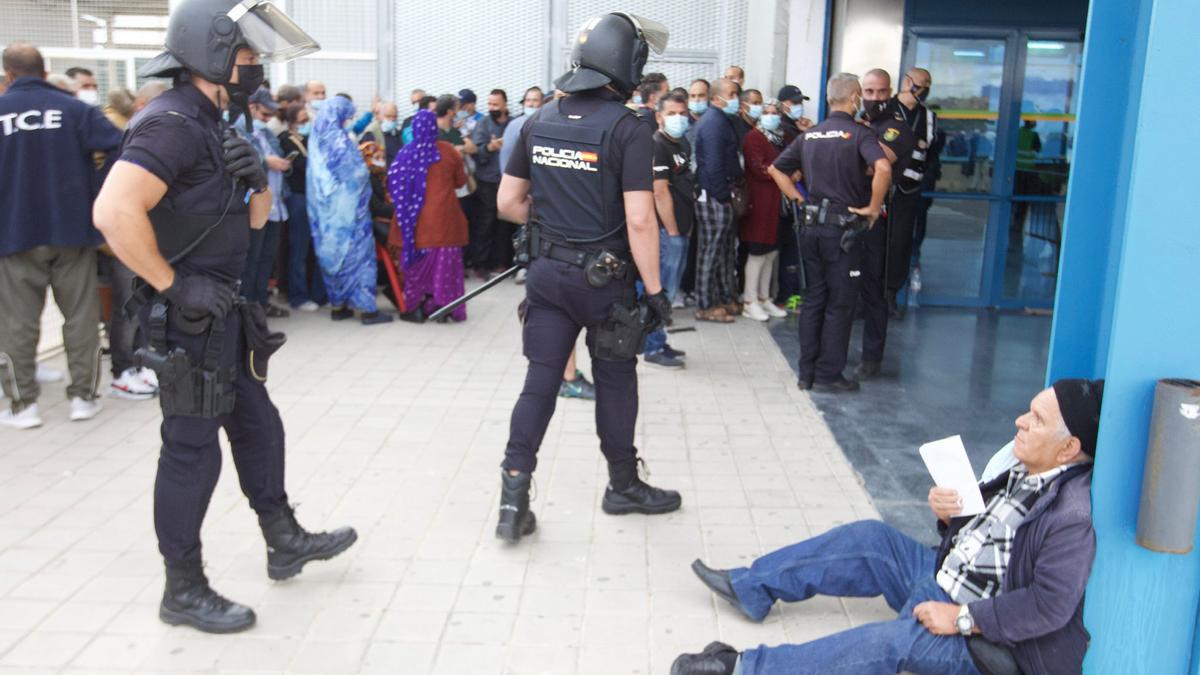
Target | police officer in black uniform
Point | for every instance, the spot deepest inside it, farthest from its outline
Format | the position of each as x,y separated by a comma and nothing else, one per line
833,158
897,140
581,178
909,103
178,208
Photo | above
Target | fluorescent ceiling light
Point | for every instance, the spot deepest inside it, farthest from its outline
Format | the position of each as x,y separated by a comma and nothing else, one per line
1049,46
969,53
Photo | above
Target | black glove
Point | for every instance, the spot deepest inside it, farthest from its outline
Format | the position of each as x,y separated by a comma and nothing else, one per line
198,296
242,160
660,310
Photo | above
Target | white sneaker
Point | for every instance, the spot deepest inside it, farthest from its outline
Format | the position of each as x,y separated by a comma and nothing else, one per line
26,419
308,306
84,410
132,385
771,310
678,304
521,274
753,310
46,374
149,377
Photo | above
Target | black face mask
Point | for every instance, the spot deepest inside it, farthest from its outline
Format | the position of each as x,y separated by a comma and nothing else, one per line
495,114
873,110
919,93
250,78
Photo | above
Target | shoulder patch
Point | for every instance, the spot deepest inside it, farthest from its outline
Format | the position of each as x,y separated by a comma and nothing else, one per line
891,134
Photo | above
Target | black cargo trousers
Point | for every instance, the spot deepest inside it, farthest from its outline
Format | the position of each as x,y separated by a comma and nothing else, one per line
560,303
189,462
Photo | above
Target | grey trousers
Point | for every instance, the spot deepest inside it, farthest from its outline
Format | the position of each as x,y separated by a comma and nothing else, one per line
24,277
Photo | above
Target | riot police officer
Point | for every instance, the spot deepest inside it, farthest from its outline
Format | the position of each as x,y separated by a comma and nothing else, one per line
896,138
832,158
178,208
581,178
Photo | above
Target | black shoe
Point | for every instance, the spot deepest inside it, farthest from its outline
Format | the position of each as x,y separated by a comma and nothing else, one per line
717,658
627,493
804,384
674,353
718,582
516,520
290,547
372,318
275,312
895,311
661,358
341,314
415,316
188,600
866,370
837,386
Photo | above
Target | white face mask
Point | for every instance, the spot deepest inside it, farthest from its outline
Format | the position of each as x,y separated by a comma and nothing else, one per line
89,96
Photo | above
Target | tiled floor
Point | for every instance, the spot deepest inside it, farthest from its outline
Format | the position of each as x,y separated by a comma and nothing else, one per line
398,430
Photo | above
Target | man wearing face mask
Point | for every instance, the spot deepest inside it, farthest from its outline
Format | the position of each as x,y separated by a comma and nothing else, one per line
748,115
390,130
178,209
792,121
264,243
717,168
910,104
85,85
896,139
491,238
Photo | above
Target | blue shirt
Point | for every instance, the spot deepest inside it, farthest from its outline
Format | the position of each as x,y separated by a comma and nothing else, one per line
717,165
47,176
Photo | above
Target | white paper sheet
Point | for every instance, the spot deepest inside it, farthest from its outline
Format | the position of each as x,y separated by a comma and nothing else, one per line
947,462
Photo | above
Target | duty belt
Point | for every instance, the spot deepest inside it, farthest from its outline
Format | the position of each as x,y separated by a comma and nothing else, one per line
828,214
578,257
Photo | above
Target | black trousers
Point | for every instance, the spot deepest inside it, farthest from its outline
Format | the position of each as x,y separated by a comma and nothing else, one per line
490,237
902,216
833,277
560,303
189,462
872,297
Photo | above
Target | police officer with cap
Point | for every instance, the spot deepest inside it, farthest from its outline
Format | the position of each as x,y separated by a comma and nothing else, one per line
897,140
833,158
581,178
177,208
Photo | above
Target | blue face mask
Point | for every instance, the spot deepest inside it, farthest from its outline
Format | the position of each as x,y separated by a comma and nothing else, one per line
675,125
461,115
697,107
304,129
754,111
796,111
259,125
637,99
317,103
769,122
388,126
529,110
731,107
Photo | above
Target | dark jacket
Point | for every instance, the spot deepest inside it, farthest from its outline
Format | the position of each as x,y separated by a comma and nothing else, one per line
717,165
47,177
1039,611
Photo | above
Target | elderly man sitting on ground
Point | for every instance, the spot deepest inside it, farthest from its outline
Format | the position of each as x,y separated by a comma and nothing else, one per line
1002,594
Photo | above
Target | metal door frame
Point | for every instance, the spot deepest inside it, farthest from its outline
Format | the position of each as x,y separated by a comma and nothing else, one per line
1000,195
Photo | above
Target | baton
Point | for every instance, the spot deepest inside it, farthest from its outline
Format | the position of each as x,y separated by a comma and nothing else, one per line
797,223
443,311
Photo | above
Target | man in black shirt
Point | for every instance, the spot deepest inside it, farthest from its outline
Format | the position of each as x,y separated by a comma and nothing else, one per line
833,158
909,103
747,117
675,203
896,138
581,178
178,208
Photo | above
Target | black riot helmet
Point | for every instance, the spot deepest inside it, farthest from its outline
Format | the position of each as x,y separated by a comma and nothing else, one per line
204,36
612,49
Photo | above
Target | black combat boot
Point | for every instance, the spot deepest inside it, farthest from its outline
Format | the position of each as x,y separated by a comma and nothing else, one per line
516,520
188,600
290,546
627,493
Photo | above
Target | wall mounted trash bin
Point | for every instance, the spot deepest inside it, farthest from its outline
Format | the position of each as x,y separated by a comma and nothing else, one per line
1171,483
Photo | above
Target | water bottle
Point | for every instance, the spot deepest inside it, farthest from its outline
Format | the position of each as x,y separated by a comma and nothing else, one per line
914,286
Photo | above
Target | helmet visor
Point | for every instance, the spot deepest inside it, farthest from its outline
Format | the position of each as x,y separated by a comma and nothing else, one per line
654,33
270,32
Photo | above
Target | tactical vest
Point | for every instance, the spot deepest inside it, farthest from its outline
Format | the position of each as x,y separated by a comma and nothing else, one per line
577,196
910,180
215,204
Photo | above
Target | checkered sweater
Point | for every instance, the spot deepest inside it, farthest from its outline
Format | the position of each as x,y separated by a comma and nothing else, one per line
974,568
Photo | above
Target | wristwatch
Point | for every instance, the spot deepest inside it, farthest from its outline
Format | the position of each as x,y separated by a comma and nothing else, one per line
965,622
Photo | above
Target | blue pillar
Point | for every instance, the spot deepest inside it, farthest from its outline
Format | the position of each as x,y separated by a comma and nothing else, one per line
1128,307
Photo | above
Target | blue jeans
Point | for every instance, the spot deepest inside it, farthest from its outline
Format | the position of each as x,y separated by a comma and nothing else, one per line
300,289
672,255
863,559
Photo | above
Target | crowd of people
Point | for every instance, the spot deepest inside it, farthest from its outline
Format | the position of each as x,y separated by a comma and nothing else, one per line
405,205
